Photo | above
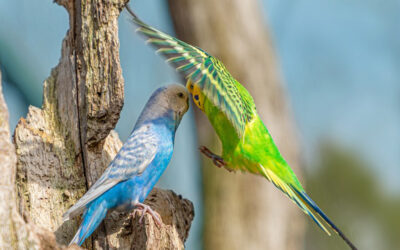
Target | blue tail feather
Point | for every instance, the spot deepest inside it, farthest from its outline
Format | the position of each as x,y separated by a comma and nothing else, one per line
92,218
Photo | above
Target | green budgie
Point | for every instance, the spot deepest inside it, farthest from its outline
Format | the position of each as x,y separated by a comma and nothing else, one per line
246,142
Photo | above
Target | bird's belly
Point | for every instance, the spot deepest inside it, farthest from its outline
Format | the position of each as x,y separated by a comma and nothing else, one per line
240,160
222,126
256,148
123,195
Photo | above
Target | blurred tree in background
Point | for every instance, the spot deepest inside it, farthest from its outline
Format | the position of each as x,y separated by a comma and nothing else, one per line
351,192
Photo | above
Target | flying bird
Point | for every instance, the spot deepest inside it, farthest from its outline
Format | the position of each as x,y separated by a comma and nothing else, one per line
139,164
246,142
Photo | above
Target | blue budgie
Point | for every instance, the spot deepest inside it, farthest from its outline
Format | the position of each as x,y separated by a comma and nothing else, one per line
139,164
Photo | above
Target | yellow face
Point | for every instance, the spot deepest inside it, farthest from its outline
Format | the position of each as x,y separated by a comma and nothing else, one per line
198,97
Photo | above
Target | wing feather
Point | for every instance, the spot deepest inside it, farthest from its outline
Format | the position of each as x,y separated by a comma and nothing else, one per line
214,80
132,159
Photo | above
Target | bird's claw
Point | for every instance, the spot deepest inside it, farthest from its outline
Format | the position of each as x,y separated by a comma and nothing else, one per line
147,209
217,160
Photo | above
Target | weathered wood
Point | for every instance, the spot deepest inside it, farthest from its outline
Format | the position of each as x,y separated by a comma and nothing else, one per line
64,142
65,146
243,211
15,232
176,214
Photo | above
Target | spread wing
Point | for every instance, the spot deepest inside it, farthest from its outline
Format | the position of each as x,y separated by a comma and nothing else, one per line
214,80
132,159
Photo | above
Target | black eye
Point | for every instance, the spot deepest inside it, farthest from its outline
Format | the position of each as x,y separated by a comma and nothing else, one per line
180,94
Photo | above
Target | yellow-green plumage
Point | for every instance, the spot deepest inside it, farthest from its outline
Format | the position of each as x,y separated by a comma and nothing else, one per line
247,144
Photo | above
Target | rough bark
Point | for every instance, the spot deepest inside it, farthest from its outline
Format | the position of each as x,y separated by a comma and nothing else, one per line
243,211
176,213
64,147
15,232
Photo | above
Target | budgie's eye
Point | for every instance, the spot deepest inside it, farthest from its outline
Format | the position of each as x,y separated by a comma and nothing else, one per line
180,94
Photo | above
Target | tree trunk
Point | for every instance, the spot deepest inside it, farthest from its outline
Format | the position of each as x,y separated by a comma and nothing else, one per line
243,211
15,232
64,147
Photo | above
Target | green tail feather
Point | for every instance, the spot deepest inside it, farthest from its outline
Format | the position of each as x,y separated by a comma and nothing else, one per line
299,196
314,211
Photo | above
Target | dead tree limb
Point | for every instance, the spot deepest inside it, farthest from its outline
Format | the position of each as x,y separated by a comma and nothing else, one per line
15,232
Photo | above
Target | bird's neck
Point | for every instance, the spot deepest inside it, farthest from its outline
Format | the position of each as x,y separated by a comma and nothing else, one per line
167,122
161,117
165,125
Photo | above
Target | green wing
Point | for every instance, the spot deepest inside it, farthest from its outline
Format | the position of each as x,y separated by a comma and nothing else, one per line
217,84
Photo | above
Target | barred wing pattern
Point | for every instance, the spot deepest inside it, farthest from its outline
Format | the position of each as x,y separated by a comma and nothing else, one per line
137,152
132,159
211,76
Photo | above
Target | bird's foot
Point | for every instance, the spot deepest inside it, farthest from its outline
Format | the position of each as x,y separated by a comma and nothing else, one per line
217,160
147,209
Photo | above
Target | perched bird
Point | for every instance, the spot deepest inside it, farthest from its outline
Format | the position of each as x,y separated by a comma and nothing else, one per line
138,165
246,142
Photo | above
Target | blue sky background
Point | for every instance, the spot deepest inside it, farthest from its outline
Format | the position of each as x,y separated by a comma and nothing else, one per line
340,61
